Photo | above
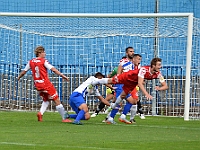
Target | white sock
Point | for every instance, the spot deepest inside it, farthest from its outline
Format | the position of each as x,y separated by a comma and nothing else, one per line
117,102
100,81
44,106
133,111
110,118
61,110
123,116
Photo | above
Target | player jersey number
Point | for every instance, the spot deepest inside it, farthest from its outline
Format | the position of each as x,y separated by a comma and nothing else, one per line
37,72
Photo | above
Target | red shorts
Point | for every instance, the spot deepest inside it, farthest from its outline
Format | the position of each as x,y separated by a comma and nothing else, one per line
49,93
128,79
128,88
134,93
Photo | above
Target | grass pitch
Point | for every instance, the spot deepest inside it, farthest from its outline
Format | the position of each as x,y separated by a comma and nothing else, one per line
22,131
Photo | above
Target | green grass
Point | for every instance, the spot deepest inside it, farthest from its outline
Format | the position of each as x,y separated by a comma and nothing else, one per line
21,131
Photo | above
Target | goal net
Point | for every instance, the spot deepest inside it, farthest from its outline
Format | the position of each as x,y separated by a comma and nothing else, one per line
81,44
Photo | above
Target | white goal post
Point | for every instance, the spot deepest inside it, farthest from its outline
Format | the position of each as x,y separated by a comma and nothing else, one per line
6,28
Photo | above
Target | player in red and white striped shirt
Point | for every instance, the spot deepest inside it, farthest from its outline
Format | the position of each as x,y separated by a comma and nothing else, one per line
46,89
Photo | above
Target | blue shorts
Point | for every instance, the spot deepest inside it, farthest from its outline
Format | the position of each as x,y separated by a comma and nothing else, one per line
119,89
75,100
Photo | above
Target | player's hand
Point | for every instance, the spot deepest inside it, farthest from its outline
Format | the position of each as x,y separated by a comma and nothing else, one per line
149,97
157,88
66,78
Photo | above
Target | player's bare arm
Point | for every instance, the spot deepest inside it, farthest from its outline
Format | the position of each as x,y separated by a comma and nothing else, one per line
103,100
59,73
110,86
21,74
142,88
120,69
163,87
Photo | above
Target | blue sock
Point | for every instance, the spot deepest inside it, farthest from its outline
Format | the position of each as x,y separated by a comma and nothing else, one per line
81,115
114,112
127,108
83,118
73,116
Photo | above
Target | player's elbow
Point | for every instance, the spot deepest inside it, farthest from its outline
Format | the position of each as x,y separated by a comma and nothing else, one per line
165,87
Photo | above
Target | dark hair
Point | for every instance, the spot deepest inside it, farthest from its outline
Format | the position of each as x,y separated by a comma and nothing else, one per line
99,74
128,48
155,60
135,55
124,57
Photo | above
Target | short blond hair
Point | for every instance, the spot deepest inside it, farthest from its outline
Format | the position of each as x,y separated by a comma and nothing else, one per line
39,50
155,60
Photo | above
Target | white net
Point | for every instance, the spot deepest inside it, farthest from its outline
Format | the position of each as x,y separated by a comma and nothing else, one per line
96,27
79,47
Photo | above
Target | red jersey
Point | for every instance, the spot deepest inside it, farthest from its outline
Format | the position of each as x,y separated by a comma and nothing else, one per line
131,77
145,73
39,68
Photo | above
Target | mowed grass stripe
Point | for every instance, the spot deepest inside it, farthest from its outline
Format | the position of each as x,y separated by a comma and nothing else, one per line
21,130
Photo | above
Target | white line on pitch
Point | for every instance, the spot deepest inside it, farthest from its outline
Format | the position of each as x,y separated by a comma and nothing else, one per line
66,146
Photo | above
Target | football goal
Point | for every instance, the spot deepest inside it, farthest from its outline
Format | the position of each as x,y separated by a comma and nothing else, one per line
80,44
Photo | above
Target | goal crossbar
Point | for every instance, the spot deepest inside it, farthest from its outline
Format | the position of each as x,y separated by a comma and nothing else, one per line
96,15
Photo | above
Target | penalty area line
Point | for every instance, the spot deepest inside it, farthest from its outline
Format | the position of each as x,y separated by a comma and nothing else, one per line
14,143
58,146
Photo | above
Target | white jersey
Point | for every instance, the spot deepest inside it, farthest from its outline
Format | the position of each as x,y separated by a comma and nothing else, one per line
128,65
87,88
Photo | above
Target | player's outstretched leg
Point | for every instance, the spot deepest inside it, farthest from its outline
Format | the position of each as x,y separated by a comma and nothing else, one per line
133,113
122,118
63,113
113,113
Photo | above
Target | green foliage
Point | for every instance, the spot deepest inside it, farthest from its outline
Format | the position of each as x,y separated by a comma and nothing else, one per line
22,131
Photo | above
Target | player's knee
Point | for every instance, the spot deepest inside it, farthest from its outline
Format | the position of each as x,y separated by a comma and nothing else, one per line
123,96
132,100
87,116
84,107
57,101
